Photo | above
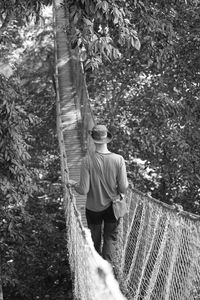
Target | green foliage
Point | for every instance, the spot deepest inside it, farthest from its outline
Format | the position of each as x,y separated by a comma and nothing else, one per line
39,255
34,261
15,181
36,71
99,29
21,11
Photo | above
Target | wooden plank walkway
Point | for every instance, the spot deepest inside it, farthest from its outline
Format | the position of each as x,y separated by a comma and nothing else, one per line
70,116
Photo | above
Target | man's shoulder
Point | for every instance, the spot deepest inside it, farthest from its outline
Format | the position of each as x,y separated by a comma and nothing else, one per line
109,156
117,157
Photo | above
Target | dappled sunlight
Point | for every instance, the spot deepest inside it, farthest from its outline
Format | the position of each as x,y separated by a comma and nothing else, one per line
6,69
65,59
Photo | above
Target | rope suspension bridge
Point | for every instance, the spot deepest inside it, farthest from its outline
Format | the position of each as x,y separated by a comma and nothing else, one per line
158,253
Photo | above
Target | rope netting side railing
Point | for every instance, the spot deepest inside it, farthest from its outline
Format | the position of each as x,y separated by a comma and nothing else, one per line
161,251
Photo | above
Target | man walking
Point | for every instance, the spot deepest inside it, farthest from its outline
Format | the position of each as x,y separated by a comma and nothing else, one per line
99,209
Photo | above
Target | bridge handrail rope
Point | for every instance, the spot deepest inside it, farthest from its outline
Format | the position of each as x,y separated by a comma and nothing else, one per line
173,207
158,252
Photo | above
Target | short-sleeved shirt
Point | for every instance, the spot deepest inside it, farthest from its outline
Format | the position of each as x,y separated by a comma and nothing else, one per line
113,168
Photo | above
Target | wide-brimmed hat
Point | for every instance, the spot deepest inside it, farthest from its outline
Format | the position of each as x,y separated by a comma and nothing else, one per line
100,134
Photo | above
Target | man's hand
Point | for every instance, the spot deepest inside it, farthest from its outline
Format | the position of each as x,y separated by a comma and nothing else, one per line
71,183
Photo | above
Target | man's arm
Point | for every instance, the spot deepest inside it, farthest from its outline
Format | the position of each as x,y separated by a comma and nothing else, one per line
122,178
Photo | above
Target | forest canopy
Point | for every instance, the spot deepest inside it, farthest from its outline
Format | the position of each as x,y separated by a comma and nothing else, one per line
141,62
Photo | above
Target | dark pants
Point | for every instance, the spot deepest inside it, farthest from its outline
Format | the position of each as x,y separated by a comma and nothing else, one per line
103,223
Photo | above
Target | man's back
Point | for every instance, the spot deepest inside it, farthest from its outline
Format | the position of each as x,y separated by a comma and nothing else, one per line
102,177
112,168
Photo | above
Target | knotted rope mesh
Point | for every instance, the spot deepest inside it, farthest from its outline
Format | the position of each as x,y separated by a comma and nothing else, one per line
158,251
161,254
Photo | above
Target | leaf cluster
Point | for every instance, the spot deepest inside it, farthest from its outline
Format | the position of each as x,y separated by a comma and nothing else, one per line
99,29
15,176
22,11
